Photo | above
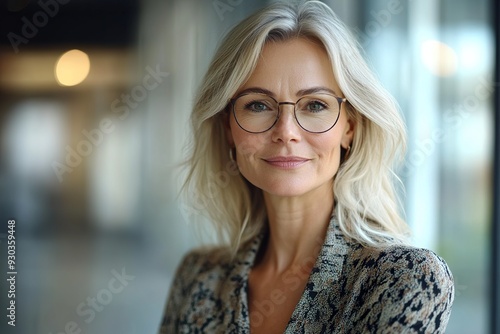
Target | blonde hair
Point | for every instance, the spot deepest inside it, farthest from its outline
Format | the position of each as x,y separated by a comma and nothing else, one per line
367,208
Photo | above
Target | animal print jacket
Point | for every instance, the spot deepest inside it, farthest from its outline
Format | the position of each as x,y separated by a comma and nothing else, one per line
351,289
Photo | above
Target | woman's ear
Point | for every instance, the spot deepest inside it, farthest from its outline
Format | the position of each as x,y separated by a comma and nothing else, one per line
348,134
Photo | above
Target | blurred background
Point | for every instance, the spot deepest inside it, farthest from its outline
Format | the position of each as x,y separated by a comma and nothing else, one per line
95,97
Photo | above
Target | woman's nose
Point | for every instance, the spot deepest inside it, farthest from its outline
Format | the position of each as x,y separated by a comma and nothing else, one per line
286,128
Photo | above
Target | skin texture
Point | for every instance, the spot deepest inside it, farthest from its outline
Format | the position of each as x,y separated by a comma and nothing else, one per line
299,200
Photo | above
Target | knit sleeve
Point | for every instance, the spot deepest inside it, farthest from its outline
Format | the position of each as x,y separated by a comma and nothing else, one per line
413,293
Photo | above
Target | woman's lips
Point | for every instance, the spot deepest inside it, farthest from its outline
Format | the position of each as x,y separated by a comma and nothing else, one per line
286,162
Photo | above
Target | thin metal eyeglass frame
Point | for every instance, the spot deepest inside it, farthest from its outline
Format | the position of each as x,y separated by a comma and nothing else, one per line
340,100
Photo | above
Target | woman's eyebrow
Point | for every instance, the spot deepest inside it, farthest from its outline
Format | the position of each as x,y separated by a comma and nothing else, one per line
302,92
314,90
256,90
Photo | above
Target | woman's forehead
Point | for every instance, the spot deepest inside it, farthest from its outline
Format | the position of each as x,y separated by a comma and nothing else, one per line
291,66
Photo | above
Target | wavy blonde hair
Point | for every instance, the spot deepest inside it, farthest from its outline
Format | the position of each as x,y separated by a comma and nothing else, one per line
367,207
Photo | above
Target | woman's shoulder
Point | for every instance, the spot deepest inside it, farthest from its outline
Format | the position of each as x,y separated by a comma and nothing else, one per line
419,261
198,275
418,266
205,258
209,266
404,287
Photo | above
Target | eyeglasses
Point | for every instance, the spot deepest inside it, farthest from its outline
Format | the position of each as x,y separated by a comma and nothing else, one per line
257,113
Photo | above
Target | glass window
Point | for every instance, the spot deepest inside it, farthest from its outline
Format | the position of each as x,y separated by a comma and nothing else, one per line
437,59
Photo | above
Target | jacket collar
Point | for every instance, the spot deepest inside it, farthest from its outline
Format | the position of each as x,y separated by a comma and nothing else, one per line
327,270
328,264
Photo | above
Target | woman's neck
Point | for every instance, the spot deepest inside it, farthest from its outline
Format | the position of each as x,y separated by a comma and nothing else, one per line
297,228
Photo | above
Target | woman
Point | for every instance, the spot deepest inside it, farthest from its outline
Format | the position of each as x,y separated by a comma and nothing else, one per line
315,240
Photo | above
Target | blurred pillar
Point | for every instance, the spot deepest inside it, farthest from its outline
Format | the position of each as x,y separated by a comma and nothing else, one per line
423,117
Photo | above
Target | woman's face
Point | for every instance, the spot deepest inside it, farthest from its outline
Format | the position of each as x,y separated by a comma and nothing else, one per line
287,160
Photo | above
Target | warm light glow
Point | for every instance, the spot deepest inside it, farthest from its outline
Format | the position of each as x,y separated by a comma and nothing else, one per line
439,58
72,68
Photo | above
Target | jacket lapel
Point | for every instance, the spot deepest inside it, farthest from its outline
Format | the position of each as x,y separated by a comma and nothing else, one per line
236,288
316,302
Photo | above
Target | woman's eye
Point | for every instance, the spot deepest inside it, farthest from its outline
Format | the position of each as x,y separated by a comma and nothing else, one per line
257,106
316,106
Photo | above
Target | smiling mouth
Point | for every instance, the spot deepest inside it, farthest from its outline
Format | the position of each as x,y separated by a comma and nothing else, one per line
286,162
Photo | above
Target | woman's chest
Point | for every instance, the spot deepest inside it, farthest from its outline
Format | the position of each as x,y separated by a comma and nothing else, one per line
271,303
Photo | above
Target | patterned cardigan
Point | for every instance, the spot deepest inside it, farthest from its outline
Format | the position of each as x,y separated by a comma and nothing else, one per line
351,289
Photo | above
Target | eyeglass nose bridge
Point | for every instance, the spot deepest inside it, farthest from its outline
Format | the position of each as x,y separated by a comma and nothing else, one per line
278,116
286,103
